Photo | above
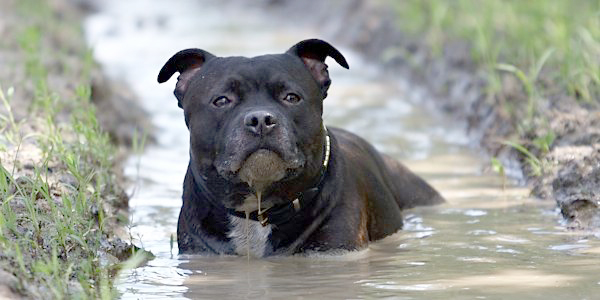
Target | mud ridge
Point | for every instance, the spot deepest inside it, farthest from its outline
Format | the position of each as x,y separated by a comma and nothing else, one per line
38,60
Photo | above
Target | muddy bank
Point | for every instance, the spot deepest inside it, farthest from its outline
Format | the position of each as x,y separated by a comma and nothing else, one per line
559,156
62,203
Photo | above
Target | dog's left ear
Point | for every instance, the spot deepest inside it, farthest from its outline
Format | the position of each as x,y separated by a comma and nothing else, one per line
187,62
313,53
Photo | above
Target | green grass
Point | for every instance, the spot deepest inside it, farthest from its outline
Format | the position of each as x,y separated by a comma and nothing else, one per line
550,48
52,231
564,34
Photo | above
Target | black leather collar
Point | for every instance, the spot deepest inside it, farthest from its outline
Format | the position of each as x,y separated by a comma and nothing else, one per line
279,214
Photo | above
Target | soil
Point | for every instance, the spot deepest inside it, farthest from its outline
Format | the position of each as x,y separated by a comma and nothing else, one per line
458,87
117,112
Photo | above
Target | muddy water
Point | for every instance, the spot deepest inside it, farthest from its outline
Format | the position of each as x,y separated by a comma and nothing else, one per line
487,242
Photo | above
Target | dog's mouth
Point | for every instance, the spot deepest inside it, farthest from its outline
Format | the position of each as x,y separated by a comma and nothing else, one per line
256,171
262,168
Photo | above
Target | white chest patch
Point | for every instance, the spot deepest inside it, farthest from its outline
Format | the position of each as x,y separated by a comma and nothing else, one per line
249,237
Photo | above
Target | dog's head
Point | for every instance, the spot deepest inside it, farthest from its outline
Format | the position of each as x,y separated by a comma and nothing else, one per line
255,123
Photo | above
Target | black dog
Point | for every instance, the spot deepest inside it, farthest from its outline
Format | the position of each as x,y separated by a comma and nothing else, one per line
258,147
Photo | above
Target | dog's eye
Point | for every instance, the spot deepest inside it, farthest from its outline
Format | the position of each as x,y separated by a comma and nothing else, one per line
221,101
292,98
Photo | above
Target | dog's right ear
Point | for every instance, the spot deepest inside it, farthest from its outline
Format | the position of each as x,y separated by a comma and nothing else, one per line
187,62
313,53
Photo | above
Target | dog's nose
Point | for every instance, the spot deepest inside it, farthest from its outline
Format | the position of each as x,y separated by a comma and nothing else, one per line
260,122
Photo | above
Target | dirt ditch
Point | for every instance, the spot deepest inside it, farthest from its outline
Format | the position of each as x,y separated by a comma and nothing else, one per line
570,172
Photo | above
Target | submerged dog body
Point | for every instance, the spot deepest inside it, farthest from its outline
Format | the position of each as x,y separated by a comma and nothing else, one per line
258,149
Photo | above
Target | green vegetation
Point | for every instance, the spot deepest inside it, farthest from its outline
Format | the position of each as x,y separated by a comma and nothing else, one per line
561,36
550,49
498,167
536,164
57,184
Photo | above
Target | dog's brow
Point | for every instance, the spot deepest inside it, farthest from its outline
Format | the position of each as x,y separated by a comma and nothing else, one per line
232,85
277,85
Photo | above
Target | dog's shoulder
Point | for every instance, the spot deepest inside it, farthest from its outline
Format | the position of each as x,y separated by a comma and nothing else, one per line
408,189
385,185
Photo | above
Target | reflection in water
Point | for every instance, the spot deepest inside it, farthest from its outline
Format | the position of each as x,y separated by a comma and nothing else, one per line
487,242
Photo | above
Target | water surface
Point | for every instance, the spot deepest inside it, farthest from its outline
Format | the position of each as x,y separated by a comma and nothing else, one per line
487,242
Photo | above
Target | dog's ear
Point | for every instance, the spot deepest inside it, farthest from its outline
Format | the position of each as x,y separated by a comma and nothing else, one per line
187,62
313,53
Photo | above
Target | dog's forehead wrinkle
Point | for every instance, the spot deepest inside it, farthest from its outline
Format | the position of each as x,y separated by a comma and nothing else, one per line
273,73
265,64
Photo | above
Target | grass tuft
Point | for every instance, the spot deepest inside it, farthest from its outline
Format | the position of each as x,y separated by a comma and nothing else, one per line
56,170
518,33
551,49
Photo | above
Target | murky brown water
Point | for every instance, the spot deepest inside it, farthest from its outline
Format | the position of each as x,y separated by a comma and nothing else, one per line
487,242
